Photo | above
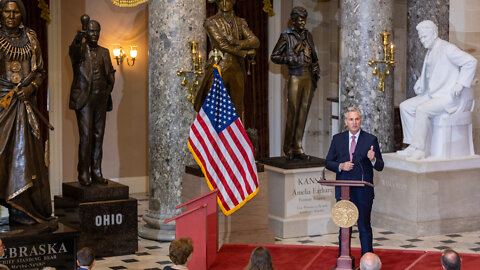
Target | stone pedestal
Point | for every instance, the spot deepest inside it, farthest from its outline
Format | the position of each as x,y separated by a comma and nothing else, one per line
249,224
298,205
26,248
428,197
103,214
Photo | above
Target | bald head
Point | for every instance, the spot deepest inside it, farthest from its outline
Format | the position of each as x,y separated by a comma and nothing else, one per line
370,261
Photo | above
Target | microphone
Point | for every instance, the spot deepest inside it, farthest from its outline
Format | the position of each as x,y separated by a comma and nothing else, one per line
359,163
323,172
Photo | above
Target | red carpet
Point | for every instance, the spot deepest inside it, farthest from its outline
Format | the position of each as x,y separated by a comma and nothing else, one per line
235,257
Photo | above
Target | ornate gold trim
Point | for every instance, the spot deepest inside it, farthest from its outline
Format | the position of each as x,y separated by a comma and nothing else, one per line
26,212
45,11
267,7
16,53
27,186
128,3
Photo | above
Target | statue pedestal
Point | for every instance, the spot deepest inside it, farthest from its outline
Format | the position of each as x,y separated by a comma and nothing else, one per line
249,224
298,205
26,248
103,214
427,197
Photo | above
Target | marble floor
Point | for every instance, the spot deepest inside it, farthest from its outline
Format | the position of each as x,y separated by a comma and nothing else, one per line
153,254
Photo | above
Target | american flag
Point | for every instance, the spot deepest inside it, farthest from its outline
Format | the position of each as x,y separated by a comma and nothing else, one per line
222,149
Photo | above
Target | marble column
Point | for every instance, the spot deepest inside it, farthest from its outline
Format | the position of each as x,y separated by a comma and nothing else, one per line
362,21
419,10
172,24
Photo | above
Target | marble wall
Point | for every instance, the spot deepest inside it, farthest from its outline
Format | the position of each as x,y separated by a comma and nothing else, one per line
465,33
420,10
360,41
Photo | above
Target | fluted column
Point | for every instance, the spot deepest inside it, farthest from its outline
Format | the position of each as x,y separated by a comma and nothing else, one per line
362,21
420,10
172,24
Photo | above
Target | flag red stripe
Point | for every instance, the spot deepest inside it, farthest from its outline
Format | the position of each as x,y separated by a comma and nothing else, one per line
214,166
242,150
220,174
229,172
237,163
209,176
239,126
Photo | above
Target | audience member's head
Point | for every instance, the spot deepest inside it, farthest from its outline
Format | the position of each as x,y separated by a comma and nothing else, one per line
86,257
450,260
180,250
370,261
260,260
2,248
49,268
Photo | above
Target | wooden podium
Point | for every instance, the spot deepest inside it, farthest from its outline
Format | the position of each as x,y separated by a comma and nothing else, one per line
199,222
345,261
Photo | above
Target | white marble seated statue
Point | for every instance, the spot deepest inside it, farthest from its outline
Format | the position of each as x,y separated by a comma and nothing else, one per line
447,72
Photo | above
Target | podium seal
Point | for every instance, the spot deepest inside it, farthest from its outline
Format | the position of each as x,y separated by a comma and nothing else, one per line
344,214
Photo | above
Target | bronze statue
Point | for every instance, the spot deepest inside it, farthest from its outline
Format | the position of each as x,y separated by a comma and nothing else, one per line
295,48
230,35
93,79
23,174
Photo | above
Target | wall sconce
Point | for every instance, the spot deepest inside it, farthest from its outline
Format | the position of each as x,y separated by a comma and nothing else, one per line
120,54
388,60
196,68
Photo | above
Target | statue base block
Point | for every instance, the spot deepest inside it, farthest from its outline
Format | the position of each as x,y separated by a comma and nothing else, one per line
109,226
27,249
297,205
427,197
95,192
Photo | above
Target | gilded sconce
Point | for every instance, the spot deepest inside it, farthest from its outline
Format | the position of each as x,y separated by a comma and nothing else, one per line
196,69
388,60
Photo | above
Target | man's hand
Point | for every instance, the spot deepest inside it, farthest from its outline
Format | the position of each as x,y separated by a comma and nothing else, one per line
346,166
457,90
25,92
371,154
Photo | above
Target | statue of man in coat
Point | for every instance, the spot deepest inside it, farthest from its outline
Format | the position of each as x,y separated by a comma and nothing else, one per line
93,79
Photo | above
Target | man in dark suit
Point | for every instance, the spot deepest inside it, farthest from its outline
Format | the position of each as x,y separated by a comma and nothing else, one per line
353,155
93,79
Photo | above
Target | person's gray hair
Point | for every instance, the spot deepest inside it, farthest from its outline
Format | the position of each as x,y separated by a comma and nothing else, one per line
367,263
427,25
49,268
352,109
